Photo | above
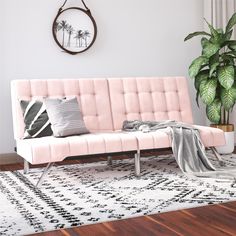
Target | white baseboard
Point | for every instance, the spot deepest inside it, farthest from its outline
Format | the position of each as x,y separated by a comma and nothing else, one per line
10,158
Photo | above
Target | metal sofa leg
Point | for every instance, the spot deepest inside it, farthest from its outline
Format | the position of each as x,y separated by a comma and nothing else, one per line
217,155
137,163
45,172
26,167
109,160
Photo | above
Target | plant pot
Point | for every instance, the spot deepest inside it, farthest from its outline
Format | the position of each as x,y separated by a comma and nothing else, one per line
229,138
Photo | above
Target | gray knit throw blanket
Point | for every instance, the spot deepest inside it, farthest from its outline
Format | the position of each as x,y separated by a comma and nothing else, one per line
187,147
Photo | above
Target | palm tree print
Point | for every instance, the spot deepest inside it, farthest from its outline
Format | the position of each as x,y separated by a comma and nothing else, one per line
63,26
57,27
86,35
70,31
78,37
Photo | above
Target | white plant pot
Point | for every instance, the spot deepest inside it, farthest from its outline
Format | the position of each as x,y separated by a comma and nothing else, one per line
229,146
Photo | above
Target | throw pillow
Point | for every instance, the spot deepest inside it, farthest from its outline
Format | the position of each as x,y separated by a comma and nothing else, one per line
65,117
36,120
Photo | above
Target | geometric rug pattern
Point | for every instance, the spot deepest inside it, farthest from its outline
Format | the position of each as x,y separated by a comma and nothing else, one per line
80,194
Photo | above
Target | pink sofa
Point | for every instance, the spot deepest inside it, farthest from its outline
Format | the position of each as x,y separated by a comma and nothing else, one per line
105,104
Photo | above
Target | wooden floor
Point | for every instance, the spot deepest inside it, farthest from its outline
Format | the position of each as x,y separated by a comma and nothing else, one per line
213,220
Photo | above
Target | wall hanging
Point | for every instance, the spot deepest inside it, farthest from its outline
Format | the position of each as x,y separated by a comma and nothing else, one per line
74,29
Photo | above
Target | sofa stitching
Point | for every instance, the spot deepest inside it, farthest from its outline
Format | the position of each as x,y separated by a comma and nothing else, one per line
104,143
32,153
136,83
153,139
125,104
121,142
50,151
69,145
47,91
213,136
179,104
109,97
86,140
95,100
152,99
64,91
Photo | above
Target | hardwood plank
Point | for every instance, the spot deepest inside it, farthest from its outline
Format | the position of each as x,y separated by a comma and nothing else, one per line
141,226
11,167
52,233
186,225
138,226
217,217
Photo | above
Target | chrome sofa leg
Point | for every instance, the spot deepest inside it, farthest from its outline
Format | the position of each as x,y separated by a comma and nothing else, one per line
26,167
137,164
45,172
109,160
217,155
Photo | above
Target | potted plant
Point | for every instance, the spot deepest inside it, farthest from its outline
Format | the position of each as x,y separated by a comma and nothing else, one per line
214,74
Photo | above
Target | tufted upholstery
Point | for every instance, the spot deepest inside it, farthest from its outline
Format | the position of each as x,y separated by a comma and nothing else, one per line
92,95
149,99
105,104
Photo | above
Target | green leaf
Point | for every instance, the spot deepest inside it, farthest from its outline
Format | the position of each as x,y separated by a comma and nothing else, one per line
197,98
213,111
233,88
208,90
196,66
228,98
231,23
220,31
196,34
228,59
204,41
213,68
203,66
214,61
233,53
202,75
232,45
221,37
210,49
226,76
214,58
214,32
228,35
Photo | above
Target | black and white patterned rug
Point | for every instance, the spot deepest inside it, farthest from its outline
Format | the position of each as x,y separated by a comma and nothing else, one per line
81,194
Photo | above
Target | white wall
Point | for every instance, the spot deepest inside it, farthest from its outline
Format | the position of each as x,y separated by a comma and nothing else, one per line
135,38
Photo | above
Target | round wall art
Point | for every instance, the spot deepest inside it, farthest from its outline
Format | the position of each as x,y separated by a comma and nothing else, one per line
74,29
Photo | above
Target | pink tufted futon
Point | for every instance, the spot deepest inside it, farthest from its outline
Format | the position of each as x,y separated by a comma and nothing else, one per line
105,104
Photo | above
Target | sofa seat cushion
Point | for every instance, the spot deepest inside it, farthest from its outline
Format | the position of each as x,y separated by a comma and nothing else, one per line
152,140
211,137
51,149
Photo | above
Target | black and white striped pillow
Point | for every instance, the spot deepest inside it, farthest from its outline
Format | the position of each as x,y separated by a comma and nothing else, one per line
65,116
36,119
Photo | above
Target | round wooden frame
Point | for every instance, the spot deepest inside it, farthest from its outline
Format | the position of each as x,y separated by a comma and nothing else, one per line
88,13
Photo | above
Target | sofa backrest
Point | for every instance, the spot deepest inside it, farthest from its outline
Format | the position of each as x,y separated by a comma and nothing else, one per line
92,95
149,99
106,103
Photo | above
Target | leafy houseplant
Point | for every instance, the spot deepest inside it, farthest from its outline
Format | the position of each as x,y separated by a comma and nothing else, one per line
214,72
